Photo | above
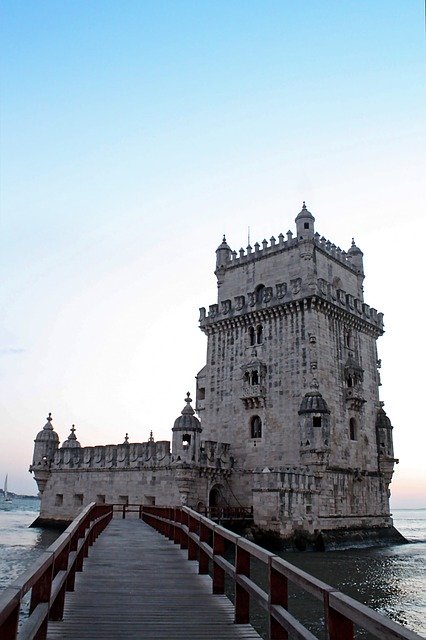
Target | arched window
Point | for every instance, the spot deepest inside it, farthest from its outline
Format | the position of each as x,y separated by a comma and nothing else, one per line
259,334
255,377
186,441
259,293
352,429
255,427
252,336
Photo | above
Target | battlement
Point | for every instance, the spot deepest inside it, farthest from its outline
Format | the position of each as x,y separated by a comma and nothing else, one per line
265,250
287,292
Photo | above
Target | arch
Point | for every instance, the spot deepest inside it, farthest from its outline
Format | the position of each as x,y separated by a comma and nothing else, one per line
186,440
259,293
216,496
255,427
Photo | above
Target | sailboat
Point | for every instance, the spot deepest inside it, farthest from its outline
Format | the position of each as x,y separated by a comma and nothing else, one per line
6,495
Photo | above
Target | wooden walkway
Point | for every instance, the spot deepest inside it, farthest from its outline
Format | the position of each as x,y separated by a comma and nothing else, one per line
137,584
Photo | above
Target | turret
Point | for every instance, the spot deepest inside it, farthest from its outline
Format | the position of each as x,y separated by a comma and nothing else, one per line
355,257
186,435
45,446
223,257
305,224
314,424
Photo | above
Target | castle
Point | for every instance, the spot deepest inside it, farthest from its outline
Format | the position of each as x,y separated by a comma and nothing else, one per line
290,422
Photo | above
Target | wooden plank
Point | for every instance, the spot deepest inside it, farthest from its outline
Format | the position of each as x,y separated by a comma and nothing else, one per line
137,584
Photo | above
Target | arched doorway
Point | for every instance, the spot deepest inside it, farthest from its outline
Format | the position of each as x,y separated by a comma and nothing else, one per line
216,498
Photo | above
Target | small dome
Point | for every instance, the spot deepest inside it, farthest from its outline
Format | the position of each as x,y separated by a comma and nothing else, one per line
304,214
382,421
354,250
223,245
71,442
187,420
313,402
47,434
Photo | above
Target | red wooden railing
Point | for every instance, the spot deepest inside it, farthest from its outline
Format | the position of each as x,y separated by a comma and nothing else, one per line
51,576
205,542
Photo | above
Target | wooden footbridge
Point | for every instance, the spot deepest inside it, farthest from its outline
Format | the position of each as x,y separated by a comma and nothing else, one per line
137,583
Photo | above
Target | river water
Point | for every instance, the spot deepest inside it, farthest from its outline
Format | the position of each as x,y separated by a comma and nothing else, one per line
390,579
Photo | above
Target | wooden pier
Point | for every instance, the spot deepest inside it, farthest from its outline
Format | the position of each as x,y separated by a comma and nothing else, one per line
138,584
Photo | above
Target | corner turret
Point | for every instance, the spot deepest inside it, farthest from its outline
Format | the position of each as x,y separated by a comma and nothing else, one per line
305,224
223,257
186,435
45,446
355,256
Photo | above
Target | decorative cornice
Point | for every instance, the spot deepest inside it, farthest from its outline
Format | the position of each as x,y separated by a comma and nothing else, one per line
364,319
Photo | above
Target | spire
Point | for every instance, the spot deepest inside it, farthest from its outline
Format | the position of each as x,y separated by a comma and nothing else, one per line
48,426
188,410
151,437
126,439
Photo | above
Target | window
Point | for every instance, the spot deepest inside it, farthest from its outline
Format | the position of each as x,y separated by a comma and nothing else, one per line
186,440
259,333
316,421
100,498
349,381
306,225
59,499
201,393
259,293
256,427
123,499
78,499
352,429
252,337
255,378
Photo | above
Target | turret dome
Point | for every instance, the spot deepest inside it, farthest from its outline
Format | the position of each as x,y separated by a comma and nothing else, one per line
48,434
71,442
304,214
187,420
313,402
354,250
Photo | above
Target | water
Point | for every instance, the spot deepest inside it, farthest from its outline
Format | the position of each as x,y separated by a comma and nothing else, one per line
390,579
20,545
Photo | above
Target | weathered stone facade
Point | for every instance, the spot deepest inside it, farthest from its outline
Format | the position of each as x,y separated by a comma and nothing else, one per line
290,417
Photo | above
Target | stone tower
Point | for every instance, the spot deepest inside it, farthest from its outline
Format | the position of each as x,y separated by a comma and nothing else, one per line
291,383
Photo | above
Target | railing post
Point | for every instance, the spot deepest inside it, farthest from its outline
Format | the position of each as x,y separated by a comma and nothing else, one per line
203,558
339,627
177,532
9,628
242,597
184,535
192,545
278,594
61,563
124,511
41,593
218,572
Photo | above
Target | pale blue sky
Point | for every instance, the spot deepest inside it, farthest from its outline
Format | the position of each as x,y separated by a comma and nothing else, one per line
134,134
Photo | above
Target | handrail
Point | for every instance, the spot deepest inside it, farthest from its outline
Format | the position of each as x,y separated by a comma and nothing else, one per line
52,575
205,542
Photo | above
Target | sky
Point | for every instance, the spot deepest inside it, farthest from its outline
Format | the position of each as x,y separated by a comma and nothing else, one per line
134,134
